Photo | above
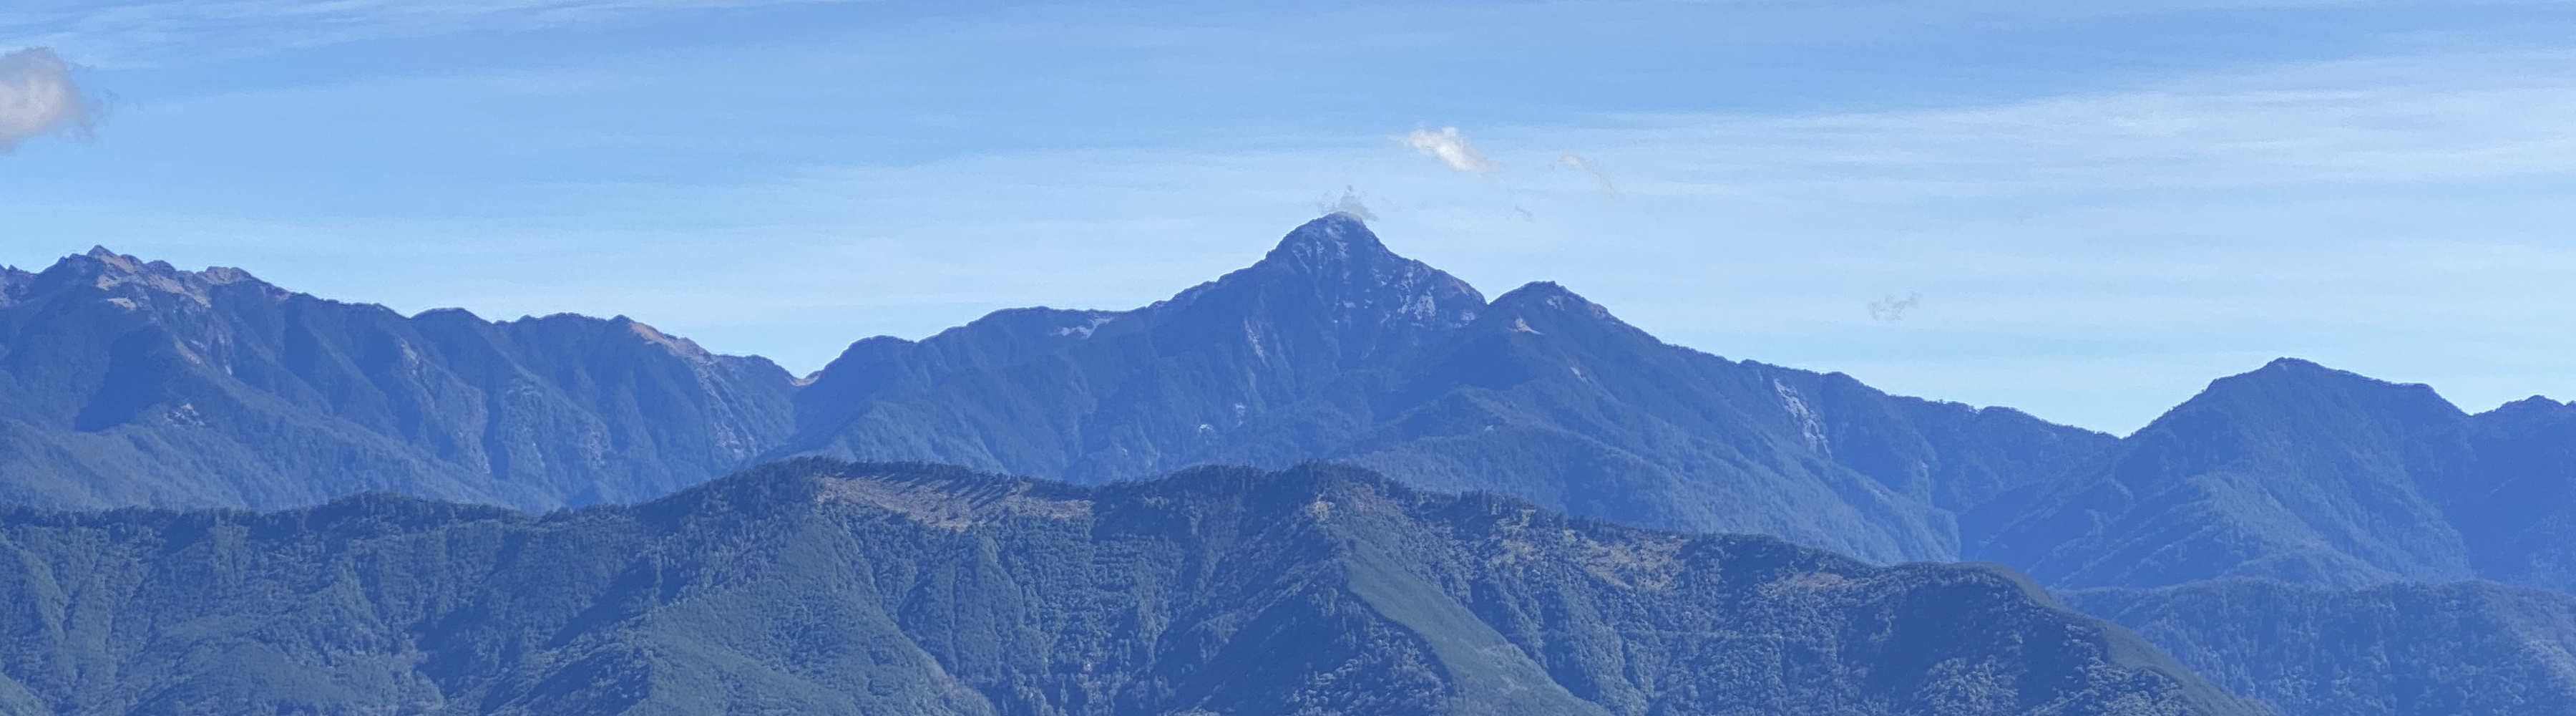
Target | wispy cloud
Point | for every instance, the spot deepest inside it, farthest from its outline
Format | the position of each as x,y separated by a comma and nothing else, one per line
1593,168
1451,148
1891,309
38,97
1349,203
148,32
2394,119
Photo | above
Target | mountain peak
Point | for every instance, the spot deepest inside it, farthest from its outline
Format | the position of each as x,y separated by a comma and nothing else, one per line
2290,397
102,256
103,261
2537,406
2289,364
2284,372
1334,263
1550,296
1337,237
1550,293
2287,373
683,348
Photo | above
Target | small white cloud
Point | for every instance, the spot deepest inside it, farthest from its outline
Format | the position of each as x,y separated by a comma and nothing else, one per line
1349,203
1450,148
1891,309
38,97
1599,175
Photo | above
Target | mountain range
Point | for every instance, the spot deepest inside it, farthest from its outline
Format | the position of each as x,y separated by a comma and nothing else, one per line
133,383
130,383
125,383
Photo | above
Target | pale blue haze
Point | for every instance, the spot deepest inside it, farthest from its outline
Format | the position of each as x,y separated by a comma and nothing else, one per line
2100,209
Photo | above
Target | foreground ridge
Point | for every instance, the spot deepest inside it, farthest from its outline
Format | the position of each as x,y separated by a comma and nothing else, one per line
820,587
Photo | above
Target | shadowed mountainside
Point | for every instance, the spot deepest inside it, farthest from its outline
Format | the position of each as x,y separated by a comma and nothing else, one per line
2461,649
818,587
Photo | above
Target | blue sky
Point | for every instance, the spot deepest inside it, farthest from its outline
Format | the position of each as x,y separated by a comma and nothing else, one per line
2083,212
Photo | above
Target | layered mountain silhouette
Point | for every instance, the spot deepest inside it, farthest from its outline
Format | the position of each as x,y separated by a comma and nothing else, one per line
1333,347
817,587
2330,504
136,384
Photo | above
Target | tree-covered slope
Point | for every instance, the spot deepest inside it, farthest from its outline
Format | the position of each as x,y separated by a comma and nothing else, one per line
2515,505
2459,649
125,383
817,587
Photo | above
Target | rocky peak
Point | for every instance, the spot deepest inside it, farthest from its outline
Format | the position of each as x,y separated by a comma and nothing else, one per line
1549,296
11,279
128,277
683,348
1330,273
1544,307
1334,239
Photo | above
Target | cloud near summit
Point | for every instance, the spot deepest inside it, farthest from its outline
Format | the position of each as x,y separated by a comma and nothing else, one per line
1451,148
38,97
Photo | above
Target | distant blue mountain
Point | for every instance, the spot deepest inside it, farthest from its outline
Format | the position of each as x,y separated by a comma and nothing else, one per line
125,383
2305,474
1333,347
136,384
